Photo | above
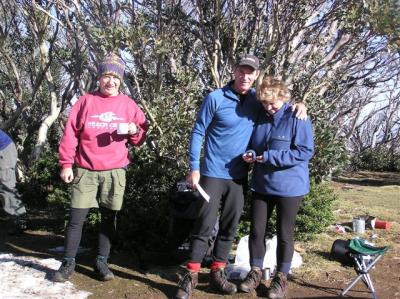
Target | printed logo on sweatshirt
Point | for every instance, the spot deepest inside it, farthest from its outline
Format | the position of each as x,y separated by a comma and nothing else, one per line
105,121
107,116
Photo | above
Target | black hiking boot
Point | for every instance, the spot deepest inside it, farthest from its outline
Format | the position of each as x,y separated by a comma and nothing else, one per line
219,282
279,287
65,271
186,285
252,280
102,270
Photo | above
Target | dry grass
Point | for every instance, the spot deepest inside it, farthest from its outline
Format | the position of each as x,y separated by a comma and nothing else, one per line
378,199
382,202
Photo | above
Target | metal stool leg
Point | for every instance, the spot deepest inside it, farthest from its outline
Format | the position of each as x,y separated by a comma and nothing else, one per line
363,274
368,282
351,285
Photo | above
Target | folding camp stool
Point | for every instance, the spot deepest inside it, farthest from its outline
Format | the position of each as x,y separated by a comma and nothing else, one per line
364,257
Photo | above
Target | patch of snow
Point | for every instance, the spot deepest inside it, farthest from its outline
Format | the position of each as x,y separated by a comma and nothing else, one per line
29,277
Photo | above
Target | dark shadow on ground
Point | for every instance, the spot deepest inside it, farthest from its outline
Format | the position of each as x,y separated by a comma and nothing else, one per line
327,290
366,181
324,254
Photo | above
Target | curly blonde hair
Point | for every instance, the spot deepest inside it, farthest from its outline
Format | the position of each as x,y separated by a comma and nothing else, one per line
270,89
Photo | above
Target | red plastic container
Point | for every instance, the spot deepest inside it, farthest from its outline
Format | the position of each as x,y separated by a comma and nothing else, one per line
382,224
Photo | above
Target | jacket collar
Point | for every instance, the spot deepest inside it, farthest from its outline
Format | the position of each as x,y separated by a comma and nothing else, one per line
230,93
278,114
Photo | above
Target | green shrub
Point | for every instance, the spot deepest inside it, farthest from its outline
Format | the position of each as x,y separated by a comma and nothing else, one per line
160,163
44,186
376,159
396,163
315,213
314,216
144,220
330,153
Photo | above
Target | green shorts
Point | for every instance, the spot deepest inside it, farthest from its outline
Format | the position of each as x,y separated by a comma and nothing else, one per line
91,189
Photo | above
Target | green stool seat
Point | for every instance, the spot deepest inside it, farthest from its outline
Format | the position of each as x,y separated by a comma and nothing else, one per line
362,247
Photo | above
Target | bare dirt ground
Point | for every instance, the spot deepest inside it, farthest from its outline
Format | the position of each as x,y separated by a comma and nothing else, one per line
317,278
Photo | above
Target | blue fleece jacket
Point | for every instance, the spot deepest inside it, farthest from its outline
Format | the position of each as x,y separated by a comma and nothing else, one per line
287,145
5,140
226,124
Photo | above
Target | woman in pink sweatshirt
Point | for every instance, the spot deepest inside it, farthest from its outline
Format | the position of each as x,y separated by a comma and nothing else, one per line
93,155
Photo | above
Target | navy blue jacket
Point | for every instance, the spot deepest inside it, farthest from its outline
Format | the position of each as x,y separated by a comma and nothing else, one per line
5,140
287,145
226,124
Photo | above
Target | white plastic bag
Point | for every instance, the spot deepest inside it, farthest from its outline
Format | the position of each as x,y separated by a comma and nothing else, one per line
241,266
243,256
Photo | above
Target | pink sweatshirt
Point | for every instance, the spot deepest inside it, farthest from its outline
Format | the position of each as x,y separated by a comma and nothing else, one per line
90,137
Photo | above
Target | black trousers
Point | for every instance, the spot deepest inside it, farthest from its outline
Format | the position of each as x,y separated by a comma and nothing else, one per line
226,199
107,230
261,210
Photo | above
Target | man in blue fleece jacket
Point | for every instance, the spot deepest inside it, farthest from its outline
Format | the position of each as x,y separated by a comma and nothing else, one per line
225,122
9,198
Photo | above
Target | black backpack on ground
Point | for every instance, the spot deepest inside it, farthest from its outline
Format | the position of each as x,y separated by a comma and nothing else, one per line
185,205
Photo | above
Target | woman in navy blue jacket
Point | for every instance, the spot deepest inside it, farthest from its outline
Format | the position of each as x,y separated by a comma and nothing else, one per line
281,147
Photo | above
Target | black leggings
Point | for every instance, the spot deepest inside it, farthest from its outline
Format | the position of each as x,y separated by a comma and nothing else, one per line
107,231
262,207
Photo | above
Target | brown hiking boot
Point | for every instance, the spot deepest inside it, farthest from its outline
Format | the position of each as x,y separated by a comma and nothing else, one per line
101,269
65,271
279,287
186,285
219,282
252,280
